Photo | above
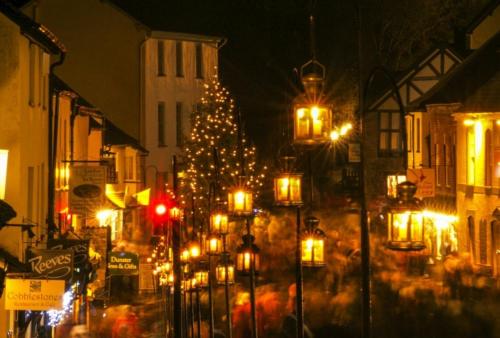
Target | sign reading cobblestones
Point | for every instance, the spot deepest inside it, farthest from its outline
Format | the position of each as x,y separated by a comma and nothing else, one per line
33,294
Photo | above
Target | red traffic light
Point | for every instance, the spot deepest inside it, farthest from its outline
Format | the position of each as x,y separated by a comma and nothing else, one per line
160,209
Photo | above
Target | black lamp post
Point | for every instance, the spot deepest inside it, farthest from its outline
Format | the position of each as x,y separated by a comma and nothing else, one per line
288,192
365,235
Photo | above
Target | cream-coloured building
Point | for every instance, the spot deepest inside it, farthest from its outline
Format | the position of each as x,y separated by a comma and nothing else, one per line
25,49
470,95
146,81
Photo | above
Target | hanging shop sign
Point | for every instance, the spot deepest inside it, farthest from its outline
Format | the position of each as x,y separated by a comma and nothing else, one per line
425,179
123,263
99,246
52,264
33,294
87,189
80,249
354,153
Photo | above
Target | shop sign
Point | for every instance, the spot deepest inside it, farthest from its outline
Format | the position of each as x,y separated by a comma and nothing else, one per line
33,294
123,263
52,264
425,179
80,249
87,189
354,153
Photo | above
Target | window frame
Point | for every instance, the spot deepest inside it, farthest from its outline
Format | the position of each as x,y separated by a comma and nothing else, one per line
160,119
179,132
179,59
160,58
199,66
389,152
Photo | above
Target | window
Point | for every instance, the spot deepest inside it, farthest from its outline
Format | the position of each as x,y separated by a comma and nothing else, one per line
389,134
438,164
471,238
31,97
417,122
409,136
482,242
161,124
488,163
178,124
129,168
199,61
179,59
160,52
445,166
471,156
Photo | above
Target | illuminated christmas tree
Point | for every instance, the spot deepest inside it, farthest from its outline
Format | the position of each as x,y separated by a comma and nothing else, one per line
215,127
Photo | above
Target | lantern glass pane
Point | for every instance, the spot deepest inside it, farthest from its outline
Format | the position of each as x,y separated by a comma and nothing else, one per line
213,245
220,273
201,278
219,223
287,189
240,202
405,230
312,123
307,249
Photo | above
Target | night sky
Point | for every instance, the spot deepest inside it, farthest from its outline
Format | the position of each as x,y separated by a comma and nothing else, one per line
269,40
266,41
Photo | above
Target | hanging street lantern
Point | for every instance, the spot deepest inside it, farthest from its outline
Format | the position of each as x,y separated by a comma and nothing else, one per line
185,256
287,184
246,255
219,222
213,244
405,220
194,249
313,244
312,117
287,189
225,262
240,200
201,275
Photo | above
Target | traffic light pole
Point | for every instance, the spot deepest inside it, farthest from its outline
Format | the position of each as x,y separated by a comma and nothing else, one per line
176,249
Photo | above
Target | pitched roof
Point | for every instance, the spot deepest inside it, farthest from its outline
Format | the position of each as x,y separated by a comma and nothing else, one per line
475,83
113,135
34,31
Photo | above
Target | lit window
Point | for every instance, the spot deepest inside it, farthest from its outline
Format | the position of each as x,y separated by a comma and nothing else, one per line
471,156
488,163
129,168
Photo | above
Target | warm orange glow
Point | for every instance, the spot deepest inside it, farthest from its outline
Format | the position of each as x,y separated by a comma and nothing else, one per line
240,202
287,189
405,230
220,274
312,123
313,251
219,223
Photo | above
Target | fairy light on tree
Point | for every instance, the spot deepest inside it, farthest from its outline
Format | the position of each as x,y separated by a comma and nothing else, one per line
214,126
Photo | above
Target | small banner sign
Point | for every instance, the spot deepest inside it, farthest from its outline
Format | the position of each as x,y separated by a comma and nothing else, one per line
87,189
123,263
52,264
33,294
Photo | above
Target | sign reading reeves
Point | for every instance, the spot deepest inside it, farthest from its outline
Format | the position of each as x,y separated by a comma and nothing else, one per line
33,294
52,264
123,263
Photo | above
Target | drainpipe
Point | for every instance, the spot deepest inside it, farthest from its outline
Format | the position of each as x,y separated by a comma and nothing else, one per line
52,138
